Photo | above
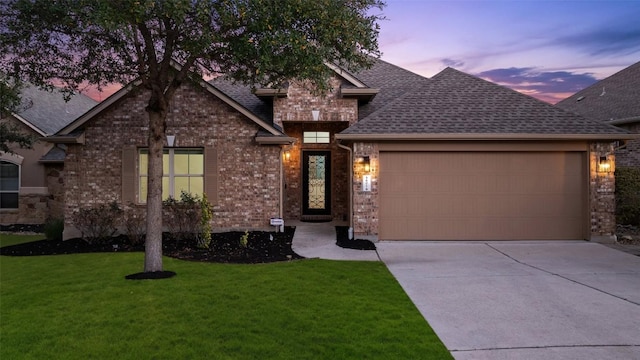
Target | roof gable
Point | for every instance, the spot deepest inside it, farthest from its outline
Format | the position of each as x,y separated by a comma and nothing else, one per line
455,103
391,80
263,123
614,98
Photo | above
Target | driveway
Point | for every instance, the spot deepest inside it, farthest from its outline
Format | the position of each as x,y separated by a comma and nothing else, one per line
523,300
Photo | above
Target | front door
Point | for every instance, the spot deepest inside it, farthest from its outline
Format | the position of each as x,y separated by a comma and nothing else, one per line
316,182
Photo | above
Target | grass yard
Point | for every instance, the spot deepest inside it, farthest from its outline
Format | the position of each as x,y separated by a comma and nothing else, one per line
10,239
81,307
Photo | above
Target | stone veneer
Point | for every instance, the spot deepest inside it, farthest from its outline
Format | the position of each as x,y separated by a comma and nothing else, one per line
601,193
248,191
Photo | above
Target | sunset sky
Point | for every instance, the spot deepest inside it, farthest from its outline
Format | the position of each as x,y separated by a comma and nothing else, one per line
547,49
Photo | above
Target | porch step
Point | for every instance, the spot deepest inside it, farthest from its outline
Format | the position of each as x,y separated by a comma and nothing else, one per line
316,218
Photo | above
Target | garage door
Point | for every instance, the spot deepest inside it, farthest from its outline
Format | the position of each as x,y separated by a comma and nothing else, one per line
482,195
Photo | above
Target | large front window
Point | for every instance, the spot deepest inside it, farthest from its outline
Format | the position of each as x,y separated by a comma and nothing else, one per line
9,185
182,169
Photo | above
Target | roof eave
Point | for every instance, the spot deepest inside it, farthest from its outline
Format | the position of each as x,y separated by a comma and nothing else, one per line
275,140
366,94
270,93
482,137
65,139
28,124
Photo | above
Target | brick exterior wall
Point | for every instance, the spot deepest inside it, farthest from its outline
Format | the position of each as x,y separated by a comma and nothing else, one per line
248,173
601,193
293,113
630,154
299,103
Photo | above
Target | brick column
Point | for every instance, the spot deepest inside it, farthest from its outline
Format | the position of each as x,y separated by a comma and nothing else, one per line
602,202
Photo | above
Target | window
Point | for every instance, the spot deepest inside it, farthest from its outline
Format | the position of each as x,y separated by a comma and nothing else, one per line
182,169
316,137
9,185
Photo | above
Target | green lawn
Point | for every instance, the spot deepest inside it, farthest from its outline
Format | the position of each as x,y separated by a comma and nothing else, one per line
10,239
81,307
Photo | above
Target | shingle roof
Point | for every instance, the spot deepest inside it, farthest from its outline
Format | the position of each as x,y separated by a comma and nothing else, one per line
457,103
47,110
243,95
613,98
393,81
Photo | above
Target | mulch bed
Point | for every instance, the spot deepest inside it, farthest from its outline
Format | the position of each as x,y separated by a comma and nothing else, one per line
262,247
342,240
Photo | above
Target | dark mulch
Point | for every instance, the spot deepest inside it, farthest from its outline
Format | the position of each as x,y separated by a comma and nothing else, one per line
342,240
262,247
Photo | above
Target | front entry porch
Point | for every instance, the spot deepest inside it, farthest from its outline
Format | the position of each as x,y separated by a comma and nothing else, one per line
316,173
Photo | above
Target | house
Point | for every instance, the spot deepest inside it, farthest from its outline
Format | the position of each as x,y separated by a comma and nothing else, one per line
399,156
614,100
31,189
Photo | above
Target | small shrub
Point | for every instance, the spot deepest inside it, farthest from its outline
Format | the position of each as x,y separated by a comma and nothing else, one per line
98,223
189,217
244,239
53,229
134,226
628,195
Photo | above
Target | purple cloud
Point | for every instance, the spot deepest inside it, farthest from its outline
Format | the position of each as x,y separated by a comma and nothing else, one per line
452,63
550,86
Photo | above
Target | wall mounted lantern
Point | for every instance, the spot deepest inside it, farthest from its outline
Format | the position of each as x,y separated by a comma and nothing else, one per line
315,114
604,165
366,163
171,140
287,155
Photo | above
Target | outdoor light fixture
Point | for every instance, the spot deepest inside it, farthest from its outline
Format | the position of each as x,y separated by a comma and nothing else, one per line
171,140
604,166
366,163
315,114
287,155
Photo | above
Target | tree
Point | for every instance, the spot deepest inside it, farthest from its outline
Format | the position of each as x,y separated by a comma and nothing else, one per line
257,42
9,102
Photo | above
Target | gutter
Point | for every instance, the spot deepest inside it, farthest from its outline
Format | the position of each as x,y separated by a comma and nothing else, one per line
624,121
339,143
485,136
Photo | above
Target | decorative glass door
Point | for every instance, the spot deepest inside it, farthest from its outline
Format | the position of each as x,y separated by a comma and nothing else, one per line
316,182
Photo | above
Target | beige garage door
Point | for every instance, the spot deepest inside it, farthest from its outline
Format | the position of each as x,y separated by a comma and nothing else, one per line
482,195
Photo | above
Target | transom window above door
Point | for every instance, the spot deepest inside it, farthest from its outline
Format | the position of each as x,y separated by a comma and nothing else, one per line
316,137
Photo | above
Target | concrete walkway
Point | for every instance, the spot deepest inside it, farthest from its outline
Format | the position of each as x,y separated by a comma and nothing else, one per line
318,240
510,300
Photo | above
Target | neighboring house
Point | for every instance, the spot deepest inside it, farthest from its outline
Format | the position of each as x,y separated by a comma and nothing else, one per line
399,156
614,100
31,184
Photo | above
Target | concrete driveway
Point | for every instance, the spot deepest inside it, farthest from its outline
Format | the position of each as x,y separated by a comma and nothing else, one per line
523,300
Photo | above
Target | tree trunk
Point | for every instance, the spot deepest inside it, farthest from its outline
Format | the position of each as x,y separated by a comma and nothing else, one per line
153,244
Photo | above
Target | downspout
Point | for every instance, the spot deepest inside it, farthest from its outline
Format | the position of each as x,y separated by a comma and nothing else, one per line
281,210
339,143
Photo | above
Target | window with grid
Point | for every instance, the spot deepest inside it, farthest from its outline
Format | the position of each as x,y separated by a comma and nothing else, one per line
316,137
182,169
